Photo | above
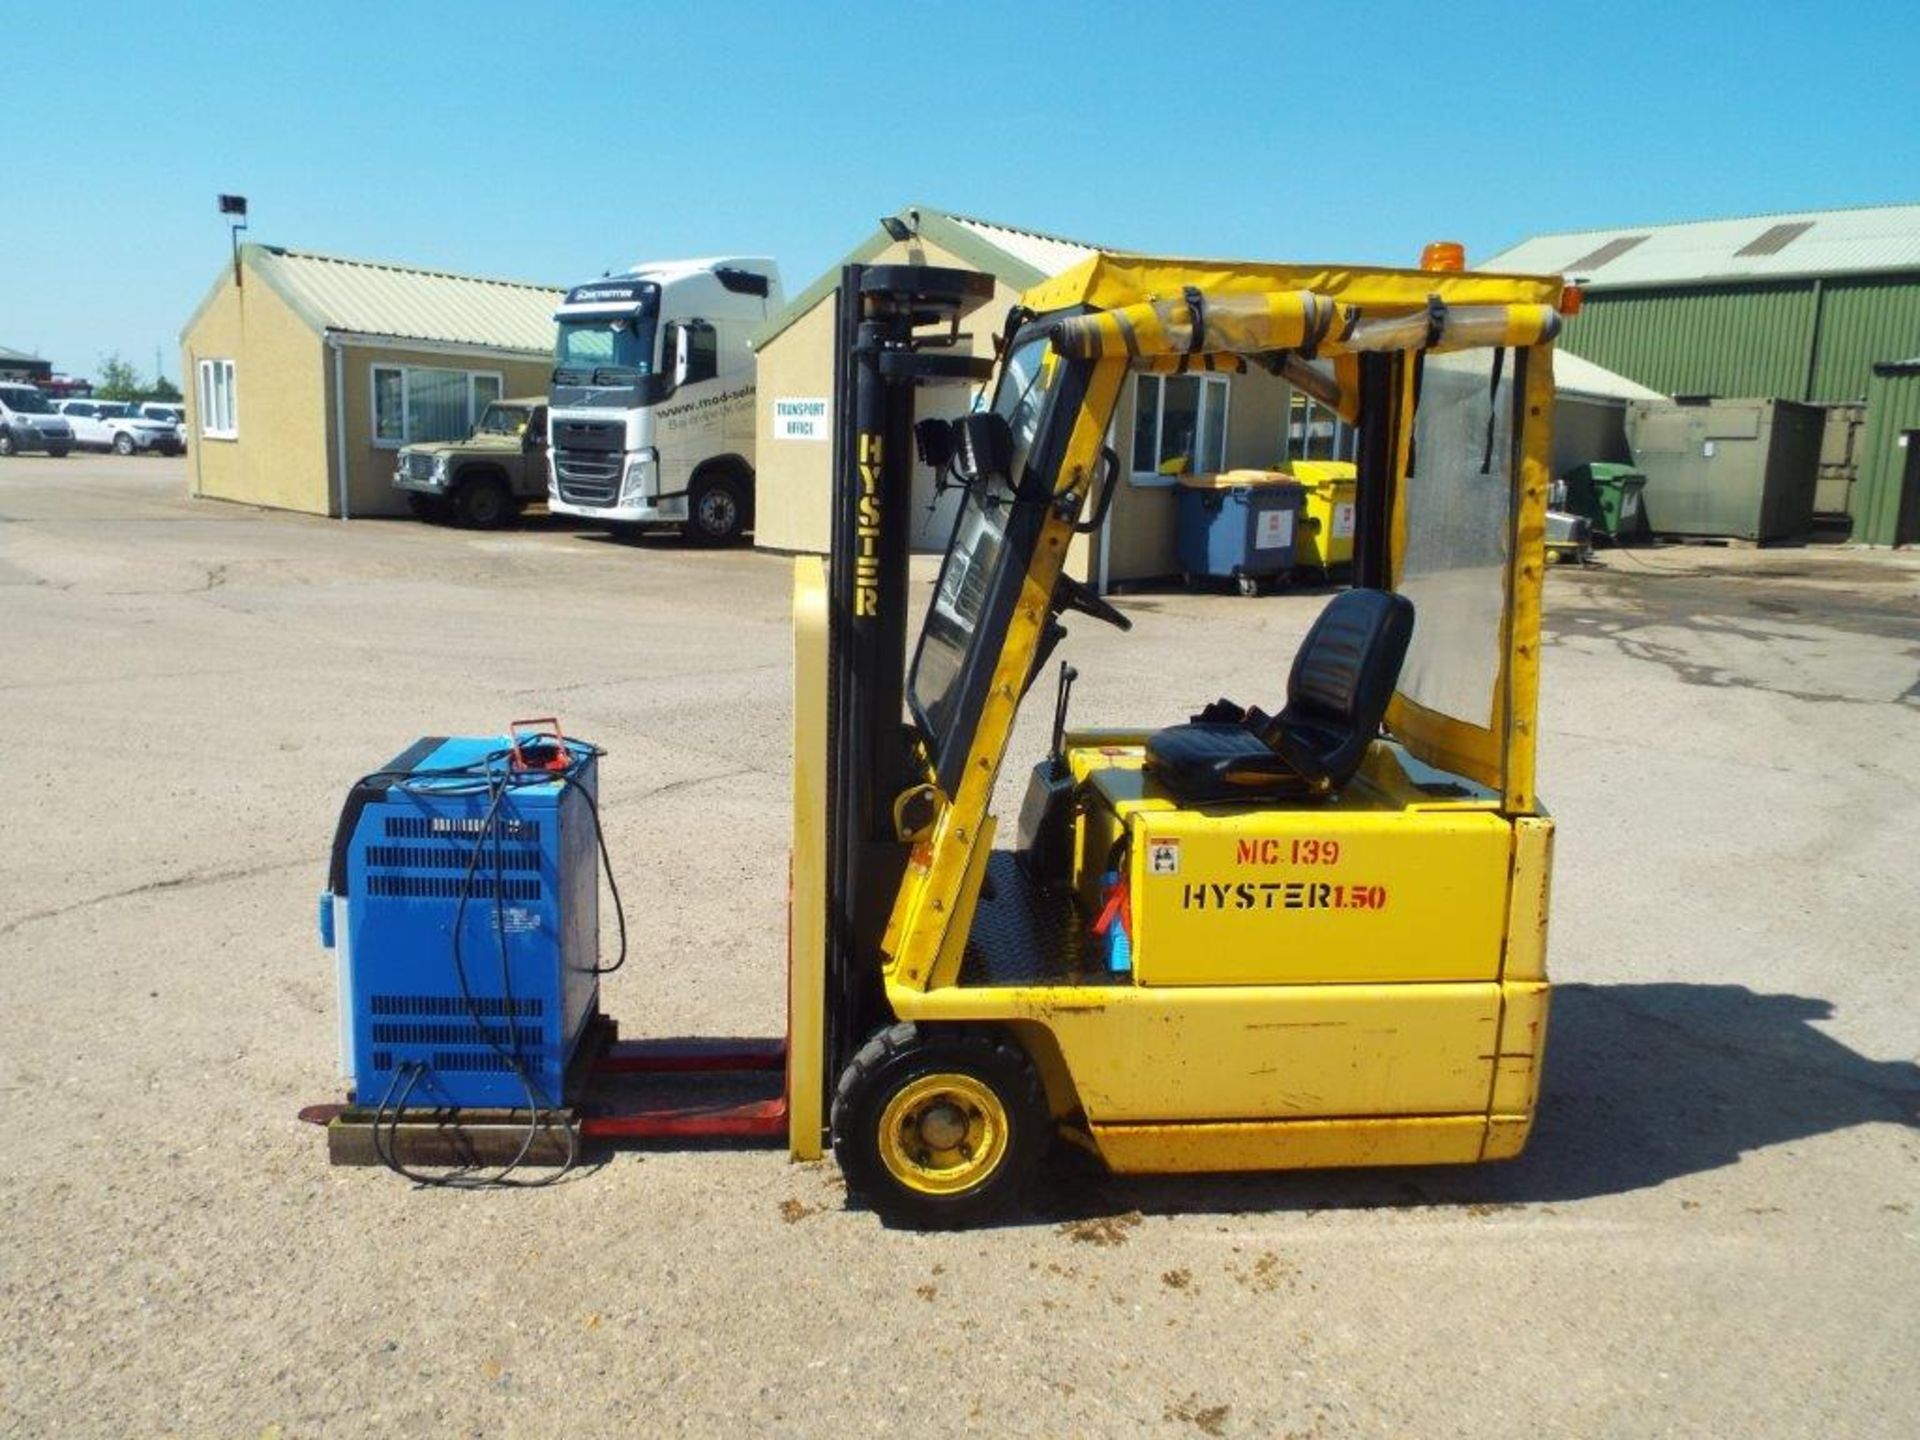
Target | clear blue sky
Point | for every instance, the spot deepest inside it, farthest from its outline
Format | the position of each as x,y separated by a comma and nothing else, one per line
503,140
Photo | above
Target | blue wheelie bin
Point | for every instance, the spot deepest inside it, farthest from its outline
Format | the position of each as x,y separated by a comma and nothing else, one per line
1239,525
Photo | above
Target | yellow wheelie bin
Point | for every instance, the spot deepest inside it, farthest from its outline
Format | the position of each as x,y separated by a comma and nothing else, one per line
1326,519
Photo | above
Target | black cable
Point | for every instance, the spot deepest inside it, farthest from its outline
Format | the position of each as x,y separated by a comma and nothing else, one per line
488,829
379,1111
613,886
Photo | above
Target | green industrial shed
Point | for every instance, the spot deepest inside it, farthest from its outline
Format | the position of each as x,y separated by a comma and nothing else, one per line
1802,306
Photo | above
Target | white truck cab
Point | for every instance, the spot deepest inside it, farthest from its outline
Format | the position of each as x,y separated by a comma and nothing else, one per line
651,413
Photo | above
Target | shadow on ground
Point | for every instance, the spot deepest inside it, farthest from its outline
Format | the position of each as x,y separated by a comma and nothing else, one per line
1644,1084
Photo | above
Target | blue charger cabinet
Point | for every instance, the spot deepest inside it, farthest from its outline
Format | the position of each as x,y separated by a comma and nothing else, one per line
400,864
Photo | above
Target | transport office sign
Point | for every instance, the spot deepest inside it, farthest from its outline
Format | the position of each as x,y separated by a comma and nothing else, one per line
799,418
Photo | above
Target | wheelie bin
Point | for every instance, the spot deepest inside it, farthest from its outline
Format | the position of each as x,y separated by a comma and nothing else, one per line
1611,498
1326,522
1238,525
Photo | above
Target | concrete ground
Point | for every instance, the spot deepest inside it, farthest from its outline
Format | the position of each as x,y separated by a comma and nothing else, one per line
1716,1231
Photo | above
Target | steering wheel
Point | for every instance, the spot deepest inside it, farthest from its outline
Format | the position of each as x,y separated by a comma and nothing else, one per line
1070,594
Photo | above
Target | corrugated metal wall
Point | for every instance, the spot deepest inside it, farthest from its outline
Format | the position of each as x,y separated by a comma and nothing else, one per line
1748,340
1883,514
1752,340
1861,322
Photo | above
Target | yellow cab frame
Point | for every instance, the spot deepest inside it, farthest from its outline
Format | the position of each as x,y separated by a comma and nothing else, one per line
1354,978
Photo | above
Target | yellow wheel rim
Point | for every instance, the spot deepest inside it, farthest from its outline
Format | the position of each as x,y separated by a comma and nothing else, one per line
943,1134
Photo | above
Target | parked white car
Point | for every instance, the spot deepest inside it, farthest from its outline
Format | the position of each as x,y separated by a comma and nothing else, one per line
174,415
113,425
28,422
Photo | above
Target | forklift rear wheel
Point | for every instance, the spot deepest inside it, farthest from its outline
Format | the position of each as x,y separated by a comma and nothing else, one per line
936,1129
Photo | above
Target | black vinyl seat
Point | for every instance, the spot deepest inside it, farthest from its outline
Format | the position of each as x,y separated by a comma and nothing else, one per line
1337,693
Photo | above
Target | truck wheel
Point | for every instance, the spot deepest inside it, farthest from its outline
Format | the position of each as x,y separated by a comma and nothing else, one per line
6,442
483,503
59,452
936,1128
716,510
123,444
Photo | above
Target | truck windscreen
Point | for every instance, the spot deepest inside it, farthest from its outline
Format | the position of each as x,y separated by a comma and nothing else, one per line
622,343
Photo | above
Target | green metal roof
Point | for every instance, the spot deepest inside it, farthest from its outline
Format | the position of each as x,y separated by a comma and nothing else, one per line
1017,258
403,302
1877,239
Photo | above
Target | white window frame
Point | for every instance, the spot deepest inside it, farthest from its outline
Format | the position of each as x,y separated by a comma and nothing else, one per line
217,399
1152,479
474,409
1345,442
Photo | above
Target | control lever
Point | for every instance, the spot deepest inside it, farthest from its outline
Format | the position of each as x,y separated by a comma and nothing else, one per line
1056,753
1070,594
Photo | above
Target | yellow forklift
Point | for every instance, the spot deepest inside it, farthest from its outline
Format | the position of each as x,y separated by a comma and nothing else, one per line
1310,934
1305,928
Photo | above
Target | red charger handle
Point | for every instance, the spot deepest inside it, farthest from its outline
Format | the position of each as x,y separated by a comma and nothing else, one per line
538,728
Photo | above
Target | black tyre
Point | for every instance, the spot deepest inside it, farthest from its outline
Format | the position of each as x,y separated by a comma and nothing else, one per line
7,446
717,509
483,503
123,444
59,452
939,1128
1248,585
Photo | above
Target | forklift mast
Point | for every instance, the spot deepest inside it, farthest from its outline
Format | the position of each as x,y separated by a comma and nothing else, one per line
896,329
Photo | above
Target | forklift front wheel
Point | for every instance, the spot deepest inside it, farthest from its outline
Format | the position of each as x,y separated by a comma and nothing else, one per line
935,1128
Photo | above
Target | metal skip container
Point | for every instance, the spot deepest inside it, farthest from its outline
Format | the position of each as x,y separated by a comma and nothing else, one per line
1742,469
1238,525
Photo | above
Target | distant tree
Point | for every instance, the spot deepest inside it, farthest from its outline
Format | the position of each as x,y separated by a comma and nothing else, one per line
164,390
117,380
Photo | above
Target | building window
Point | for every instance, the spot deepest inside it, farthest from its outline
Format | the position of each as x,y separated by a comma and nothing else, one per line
219,412
419,402
1316,433
1179,427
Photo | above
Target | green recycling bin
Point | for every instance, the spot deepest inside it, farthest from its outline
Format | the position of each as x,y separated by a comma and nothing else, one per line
1612,498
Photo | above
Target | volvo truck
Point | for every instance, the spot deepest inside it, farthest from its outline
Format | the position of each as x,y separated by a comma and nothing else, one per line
651,410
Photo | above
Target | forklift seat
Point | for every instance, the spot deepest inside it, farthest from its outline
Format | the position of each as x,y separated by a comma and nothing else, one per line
1337,693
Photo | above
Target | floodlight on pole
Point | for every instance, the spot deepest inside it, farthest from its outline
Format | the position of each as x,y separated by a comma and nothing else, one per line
236,206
